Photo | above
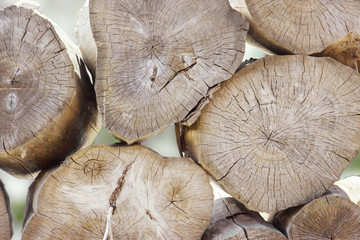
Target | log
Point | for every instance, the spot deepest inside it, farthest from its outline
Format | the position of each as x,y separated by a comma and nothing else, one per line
231,220
158,60
6,230
346,50
48,105
280,131
300,27
146,195
332,216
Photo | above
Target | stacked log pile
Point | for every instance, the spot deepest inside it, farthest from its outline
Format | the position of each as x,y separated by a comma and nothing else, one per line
275,134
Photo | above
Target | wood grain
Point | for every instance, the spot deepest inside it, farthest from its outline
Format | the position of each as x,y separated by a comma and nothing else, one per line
152,197
48,106
158,59
280,131
300,27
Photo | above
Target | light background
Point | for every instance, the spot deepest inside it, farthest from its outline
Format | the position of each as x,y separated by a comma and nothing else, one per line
65,13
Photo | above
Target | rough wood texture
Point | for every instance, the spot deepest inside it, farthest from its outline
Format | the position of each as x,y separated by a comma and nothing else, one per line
158,59
232,221
6,230
300,27
153,197
48,105
332,216
345,50
280,131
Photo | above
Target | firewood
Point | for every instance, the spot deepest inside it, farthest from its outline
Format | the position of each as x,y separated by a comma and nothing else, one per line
280,131
48,102
346,50
146,196
6,230
300,27
332,216
231,220
157,61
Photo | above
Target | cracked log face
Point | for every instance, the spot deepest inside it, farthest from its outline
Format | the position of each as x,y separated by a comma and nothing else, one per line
47,103
332,216
157,59
5,215
280,131
300,27
232,221
153,197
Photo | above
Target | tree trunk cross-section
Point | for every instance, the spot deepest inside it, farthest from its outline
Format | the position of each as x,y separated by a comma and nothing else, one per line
152,197
300,27
47,103
332,216
157,59
232,221
280,131
6,230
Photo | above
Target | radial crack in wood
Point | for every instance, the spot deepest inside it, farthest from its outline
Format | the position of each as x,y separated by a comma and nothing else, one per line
47,103
300,27
280,131
231,220
156,60
332,216
149,197
6,230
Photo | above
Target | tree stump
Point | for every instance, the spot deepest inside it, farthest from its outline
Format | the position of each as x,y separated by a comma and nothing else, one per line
332,216
346,50
157,60
280,131
231,220
300,27
48,105
6,230
151,197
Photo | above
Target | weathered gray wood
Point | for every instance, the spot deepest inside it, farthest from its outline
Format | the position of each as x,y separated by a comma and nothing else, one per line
151,197
231,220
48,105
280,131
157,60
300,27
332,216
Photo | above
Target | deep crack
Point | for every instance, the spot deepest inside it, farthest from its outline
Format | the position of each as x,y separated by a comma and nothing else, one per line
121,181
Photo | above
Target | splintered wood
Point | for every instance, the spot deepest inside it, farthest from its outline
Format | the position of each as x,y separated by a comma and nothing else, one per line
149,197
300,27
280,131
47,104
346,50
157,60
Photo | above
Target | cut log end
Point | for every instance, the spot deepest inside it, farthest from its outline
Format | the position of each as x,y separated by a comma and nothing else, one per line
306,26
151,197
46,101
332,216
231,220
280,131
160,59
